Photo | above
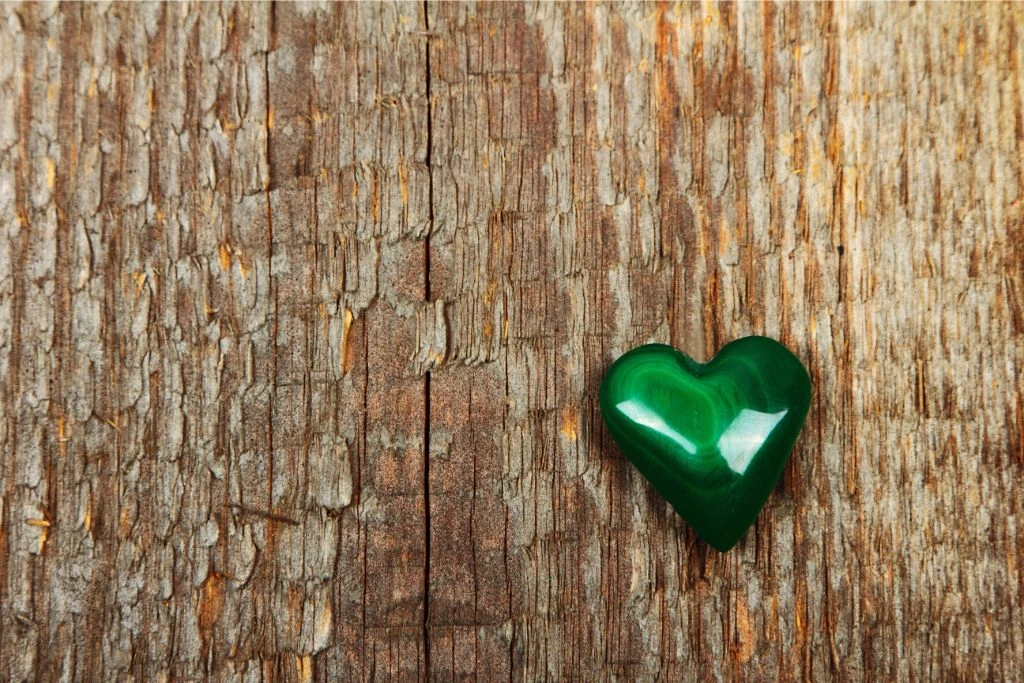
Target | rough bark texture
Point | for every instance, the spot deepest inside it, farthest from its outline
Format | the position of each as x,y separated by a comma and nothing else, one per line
304,309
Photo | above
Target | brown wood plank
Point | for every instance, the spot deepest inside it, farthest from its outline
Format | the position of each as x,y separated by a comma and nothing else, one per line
212,271
842,178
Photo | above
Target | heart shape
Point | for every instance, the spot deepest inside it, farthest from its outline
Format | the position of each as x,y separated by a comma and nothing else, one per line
712,437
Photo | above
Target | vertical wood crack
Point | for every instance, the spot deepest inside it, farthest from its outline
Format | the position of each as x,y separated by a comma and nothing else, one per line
267,122
426,376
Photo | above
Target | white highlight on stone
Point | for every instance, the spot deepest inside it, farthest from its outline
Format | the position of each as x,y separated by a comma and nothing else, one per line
643,415
741,439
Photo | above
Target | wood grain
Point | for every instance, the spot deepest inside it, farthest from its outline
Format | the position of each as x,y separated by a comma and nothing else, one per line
303,310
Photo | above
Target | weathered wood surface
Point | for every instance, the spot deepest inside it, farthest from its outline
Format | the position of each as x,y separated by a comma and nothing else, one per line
303,309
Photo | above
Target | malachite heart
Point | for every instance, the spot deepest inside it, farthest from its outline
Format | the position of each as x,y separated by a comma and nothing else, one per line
712,437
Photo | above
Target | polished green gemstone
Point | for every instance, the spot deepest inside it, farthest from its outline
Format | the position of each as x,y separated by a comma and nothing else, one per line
712,437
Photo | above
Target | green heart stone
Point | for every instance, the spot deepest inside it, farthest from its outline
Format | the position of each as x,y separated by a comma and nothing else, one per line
712,437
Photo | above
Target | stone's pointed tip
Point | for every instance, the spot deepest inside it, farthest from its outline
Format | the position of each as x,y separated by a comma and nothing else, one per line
724,546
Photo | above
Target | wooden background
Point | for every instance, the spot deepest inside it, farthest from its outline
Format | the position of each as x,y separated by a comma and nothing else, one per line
303,311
